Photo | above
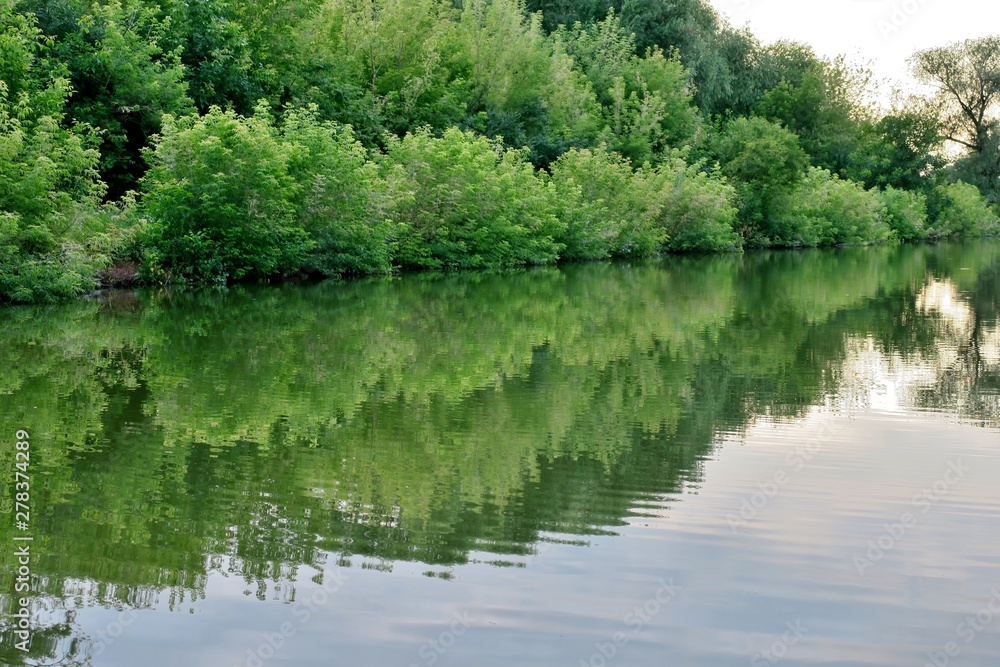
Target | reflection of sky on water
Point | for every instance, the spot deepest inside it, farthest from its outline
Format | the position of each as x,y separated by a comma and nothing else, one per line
885,380
793,562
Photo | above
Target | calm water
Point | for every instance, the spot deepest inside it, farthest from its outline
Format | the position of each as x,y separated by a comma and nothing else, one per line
778,458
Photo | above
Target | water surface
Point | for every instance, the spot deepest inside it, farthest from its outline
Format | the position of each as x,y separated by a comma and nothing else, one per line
778,457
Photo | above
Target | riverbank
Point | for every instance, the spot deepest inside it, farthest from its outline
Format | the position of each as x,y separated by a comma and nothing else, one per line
593,140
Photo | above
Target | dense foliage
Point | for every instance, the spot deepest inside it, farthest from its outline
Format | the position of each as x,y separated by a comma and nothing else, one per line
603,211
470,203
220,197
223,140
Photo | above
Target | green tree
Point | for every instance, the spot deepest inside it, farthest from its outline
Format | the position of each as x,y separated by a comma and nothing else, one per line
508,61
574,114
557,13
765,162
122,79
982,168
901,150
49,184
721,61
685,25
647,103
728,76
817,100
398,54
473,204
220,200
966,76
236,52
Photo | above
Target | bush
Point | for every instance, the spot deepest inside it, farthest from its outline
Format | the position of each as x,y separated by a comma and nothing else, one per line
220,201
604,207
577,177
765,162
825,210
342,200
696,210
471,204
38,266
963,211
48,177
31,270
906,213
608,209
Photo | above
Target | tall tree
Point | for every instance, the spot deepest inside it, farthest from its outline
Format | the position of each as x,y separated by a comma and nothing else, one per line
967,78
817,99
901,150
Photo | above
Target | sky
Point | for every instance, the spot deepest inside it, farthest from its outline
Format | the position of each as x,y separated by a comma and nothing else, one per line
884,32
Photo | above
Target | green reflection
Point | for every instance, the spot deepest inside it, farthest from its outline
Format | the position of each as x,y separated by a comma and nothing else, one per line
424,418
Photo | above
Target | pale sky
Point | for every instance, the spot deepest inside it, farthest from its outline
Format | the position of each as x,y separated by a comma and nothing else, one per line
884,32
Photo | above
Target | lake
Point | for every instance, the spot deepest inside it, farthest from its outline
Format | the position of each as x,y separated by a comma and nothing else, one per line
788,457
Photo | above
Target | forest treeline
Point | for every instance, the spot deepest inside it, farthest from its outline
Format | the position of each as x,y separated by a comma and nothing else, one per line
225,140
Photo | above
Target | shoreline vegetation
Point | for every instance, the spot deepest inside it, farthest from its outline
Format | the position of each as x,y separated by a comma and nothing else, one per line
222,140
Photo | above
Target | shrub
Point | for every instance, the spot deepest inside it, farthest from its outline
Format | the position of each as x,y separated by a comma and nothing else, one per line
765,162
608,209
604,207
471,204
587,231
30,268
906,213
38,266
696,210
342,200
963,211
220,201
825,210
